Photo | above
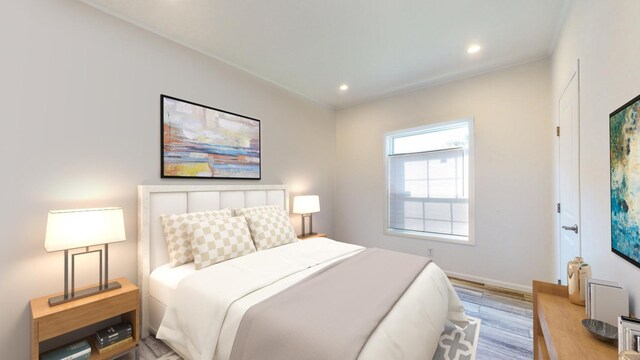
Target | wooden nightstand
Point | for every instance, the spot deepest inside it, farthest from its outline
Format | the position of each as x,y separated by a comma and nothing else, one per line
48,322
312,236
557,331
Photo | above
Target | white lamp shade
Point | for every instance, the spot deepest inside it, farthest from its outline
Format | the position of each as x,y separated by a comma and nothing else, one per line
70,229
306,204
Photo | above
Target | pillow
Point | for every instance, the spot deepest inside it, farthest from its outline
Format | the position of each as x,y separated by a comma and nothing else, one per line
218,240
175,233
257,210
270,229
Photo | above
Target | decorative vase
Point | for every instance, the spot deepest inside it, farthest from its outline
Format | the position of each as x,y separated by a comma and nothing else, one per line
578,272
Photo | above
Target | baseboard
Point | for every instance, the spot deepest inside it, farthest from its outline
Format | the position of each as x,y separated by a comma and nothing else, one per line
491,282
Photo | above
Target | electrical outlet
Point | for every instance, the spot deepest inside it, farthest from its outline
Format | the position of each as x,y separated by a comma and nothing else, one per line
430,252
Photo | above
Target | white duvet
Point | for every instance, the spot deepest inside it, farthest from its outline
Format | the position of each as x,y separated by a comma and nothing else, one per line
204,314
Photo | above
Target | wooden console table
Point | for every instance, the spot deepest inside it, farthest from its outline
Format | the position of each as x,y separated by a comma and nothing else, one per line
557,329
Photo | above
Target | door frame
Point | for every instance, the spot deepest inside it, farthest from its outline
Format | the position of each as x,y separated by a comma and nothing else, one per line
575,73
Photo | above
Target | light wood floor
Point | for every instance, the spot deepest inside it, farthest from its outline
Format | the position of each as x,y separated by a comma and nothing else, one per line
507,320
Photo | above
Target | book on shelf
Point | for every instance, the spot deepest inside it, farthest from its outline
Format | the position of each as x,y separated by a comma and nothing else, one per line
113,334
120,337
114,337
76,351
115,345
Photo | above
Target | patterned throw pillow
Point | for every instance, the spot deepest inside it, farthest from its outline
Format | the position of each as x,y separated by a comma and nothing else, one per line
270,229
218,240
175,233
257,210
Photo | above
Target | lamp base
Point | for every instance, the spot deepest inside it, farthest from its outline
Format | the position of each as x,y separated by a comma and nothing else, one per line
62,299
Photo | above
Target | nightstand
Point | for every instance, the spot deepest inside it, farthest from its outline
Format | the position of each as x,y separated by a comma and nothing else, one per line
48,322
300,237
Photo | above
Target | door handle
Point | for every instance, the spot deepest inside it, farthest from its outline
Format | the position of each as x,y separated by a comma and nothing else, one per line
573,228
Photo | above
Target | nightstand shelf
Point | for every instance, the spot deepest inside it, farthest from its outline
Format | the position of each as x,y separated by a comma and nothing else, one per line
314,235
111,353
48,322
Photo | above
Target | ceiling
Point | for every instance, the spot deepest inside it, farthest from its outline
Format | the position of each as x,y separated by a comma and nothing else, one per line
377,47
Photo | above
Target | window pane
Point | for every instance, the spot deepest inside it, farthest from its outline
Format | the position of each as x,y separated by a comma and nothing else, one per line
396,222
443,167
440,227
432,140
428,180
413,209
415,170
442,189
462,168
461,212
438,211
413,224
416,188
461,228
396,214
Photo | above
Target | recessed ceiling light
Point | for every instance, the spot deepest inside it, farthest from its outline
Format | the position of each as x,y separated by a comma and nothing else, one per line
473,49
344,87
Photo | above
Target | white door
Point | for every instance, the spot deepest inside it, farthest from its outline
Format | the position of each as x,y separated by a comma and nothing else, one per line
569,175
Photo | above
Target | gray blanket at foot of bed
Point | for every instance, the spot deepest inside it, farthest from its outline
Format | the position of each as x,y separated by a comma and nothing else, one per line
330,314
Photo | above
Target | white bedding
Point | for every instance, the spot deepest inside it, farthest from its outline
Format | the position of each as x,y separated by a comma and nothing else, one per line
164,280
208,305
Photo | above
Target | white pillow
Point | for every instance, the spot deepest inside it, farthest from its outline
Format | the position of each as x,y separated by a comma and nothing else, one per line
218,240
257,210
270,229
177,237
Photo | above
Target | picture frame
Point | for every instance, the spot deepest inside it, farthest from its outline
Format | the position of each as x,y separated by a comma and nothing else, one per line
628,333
624,143
203,142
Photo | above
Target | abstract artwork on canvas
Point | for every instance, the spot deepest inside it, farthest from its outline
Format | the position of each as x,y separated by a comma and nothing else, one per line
202,142
625,181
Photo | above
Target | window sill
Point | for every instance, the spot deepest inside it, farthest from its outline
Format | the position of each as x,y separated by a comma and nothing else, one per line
430,236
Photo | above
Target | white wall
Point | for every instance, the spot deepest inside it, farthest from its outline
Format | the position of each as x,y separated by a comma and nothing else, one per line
80,127
514,141
604,36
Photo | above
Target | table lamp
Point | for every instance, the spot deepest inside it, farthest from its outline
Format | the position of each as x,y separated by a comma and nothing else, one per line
82,228
305,205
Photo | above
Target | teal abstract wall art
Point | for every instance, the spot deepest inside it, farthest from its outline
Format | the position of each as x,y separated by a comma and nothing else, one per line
624,140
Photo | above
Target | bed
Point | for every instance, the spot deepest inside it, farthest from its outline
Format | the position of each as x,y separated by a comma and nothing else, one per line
176,299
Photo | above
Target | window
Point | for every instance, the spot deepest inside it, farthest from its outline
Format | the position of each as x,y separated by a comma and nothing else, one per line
429,182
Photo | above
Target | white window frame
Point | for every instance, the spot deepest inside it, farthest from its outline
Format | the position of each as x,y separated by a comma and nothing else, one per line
388,140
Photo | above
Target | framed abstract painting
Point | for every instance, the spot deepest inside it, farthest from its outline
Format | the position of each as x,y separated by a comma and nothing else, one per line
624,141
199,141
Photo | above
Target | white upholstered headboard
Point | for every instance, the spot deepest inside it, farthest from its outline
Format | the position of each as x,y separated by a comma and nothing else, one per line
154,200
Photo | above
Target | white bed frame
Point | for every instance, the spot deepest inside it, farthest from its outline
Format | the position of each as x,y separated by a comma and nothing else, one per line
154,200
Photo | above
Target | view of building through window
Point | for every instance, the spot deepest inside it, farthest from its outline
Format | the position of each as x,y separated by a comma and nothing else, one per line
428,180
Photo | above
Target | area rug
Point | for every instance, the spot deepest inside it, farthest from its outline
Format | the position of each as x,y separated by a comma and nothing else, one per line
459,344
455,344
